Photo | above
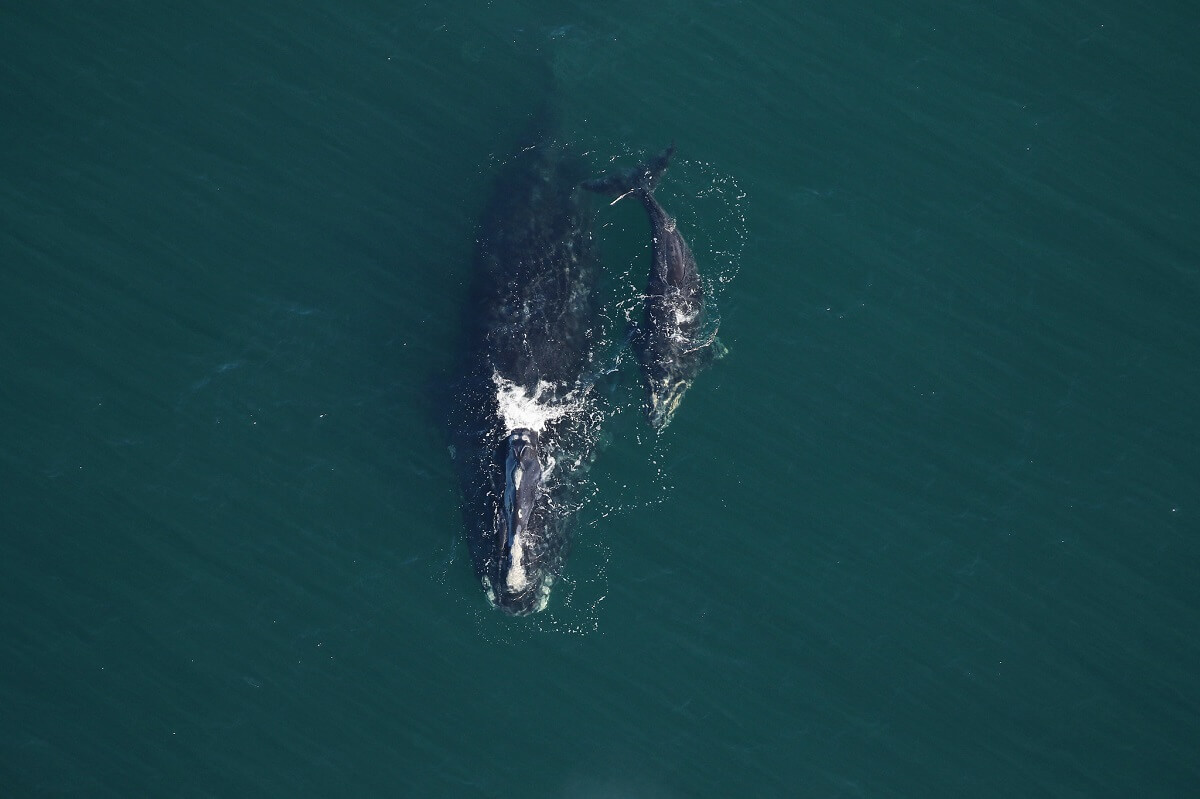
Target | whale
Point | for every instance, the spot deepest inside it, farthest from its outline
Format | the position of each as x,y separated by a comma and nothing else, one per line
525,407
673,343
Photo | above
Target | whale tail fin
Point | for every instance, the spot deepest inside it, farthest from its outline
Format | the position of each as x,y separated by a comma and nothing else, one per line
643,178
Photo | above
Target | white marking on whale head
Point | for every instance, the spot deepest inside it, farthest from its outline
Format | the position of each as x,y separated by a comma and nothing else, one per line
517,579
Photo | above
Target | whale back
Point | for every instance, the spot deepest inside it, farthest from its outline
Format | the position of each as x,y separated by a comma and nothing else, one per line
536,263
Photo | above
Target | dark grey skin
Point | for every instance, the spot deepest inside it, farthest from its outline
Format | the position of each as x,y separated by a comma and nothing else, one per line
533,323
671,344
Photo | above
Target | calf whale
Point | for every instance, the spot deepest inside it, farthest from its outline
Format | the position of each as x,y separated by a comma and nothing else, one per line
521,429
671,344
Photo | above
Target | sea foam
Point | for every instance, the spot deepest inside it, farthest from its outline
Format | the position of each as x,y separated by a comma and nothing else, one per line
518,408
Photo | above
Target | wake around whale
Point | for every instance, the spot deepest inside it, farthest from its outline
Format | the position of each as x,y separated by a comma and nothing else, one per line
525,425
672,344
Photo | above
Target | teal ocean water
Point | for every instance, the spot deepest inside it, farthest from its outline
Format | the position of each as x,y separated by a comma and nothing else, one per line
929,530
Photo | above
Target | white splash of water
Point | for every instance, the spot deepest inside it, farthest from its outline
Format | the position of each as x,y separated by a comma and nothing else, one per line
520,409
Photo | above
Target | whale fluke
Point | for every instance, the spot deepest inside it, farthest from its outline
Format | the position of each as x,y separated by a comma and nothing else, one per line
644,177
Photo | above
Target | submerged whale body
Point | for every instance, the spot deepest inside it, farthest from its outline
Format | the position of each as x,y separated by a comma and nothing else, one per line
672,344
522,433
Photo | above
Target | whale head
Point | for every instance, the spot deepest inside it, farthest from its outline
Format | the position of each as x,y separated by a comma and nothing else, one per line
668,368
522,560
662,400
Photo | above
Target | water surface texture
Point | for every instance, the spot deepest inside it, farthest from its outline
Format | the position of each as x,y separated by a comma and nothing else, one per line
928,530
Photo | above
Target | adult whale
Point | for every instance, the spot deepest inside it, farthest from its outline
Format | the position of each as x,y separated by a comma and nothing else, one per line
524,427
672,344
